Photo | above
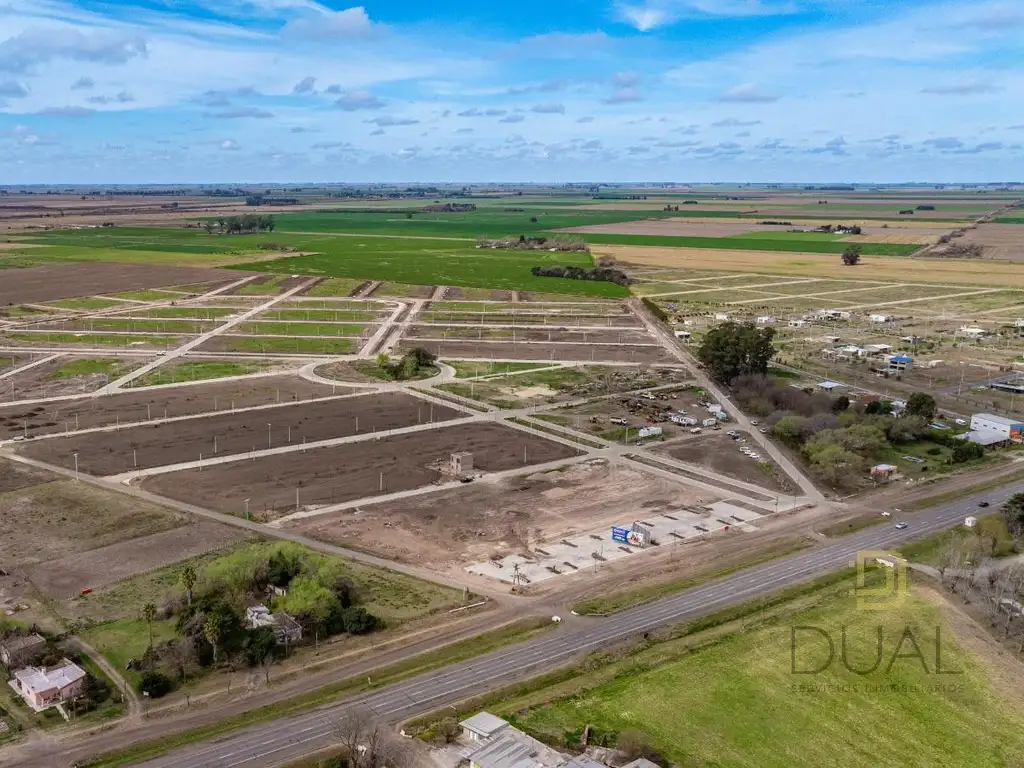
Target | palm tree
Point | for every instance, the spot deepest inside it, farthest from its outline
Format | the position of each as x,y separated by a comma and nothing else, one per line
188,580
212,629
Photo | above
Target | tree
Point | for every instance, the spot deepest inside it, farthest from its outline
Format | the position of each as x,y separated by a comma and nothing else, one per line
966,451
835,465
734,349
149,613
790,430
155,684
213,629
921,404
874,408
840,404
448,729
851,256
188,580
358,620
1012,513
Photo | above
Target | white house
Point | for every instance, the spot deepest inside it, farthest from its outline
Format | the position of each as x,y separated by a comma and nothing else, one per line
853,350
683,334
798,323
44,687
765,320
1019,322
721,316
878,349
881,318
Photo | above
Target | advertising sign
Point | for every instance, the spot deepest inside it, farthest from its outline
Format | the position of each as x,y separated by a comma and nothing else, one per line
621,535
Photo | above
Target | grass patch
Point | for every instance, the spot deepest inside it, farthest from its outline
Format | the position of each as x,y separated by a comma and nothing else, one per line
323,315
146,295
198,371
110,367
321,346
467,370
269,287
98,339
142,325
426,662
201,313
788,720
335,286
122,640
990,538
302,329
86,303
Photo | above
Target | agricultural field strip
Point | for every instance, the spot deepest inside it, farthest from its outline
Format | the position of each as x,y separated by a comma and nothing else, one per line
799,296
201,339
28,366
927,298
528,327
117,427
732,288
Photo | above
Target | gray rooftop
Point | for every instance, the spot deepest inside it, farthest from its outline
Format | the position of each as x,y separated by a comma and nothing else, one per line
514,749
484,723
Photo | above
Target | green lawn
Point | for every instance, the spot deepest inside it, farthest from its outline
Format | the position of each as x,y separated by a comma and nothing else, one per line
324,315
1010,220
302,329
97,339
146,295
334,286
203,313
270,287
322,346
125,639
143,325
87,303
111,367
737,702
989,539
197,371
794,244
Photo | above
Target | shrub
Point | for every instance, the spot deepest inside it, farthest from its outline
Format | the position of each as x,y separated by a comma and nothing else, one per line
155,684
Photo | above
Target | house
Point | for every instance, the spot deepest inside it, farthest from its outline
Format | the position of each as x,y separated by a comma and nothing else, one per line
971,332
853,350
721,316
765,320
832,314
683,334
44,687
461,462
493,743
883,473
21,650
1019,322
899,363
881,318
798,323
877,349
286,629
829,386
988,429
641,762
912,339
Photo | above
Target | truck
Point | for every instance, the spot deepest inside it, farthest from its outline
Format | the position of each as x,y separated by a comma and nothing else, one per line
709,422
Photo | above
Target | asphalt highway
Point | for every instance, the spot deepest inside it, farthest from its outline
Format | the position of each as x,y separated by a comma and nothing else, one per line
289,738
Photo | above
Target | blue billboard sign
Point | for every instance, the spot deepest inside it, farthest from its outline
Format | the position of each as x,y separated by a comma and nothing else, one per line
620,535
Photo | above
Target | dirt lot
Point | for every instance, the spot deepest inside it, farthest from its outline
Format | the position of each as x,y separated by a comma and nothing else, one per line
168,402
1001,241
39,381
353,471
154,445
720,453
43,522
597,321
64,281
68,576
595,417
653,353
450,529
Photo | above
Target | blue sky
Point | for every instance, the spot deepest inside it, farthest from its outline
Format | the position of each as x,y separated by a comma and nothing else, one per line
178,91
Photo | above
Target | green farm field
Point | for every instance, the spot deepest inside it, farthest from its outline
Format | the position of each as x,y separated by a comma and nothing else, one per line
737,702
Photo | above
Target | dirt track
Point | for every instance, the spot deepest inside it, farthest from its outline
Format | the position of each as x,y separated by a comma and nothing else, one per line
125,408
155,445
64,281
346,472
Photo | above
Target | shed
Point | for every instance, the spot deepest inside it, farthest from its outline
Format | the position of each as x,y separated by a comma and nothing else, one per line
482,725
19,650
461,462
883,472
828,386
970,521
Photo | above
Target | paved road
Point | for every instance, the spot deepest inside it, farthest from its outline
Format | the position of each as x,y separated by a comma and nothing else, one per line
291,737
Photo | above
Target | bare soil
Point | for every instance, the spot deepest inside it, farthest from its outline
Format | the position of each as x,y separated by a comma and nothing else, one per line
51,520
37,382
140,447
450,529
351,471
720,453
1000,241
541,351
386,290
66,577
65,281
152,403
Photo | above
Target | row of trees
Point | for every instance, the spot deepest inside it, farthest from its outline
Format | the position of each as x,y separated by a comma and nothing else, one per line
599,274
246,224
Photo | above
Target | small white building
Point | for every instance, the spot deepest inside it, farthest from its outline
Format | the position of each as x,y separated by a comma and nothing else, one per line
970,521
853,350
878,349
1019,322
44,687
765,320
798,323
971,332
721,316
683,335
989,429
881,318
646,432
482,726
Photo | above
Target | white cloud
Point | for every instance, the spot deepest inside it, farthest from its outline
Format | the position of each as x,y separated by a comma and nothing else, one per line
748,93
229,145
25,51
548,109
386,121
329,25
651,14
962,88
353,101
623,96
240,113
66,111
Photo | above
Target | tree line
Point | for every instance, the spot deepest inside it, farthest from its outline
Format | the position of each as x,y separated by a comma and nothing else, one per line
246,224
600,274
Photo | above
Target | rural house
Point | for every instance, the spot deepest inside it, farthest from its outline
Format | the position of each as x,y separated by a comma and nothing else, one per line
20,650
286,629
44,687
987,429
900,363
